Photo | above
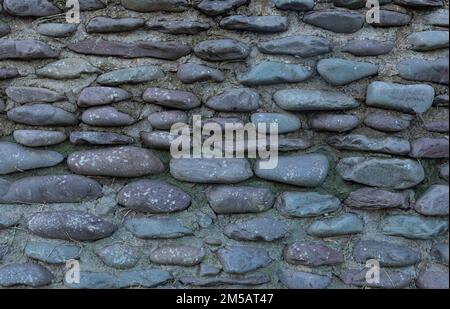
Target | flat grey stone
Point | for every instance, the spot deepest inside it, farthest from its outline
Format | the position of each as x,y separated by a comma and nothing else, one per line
157,228
434,202
190,73
214,8
24,95
444,171
42,115
179,255
333,122
346,224
156,5
286,123
146,278
106,116
3,251
293,144
430,148
8,73
414,227
56,30
209,270
235,100
38,138
258,229
30,8
93,96
93,280
264,24
387,254
300,280
336,20
391,18
352,4
251,280
136,75
161,140
68,68
428,40
99,138
438,18
434,280
389,279
26,274
388,123
366,47
118,255
240,259
26,50
358,142
341,72
102,24
171,98
297,46
295,5
52,253
375,199
91,5
419,3
440,126
312,254
165,120
417,69
189,27
222,50
306,204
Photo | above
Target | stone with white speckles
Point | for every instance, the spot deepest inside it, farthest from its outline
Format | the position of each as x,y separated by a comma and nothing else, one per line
257,229
26,274
285,122
42,115
38,138
23,95
190,73
171,98
222,50
333,122
92,96
389,279
135,75
52,253
69,68
157,228
118,255
180,255
346,224
374,199
388,123
235,100
312,254
165,120
386,253
30,8
306,204
106,116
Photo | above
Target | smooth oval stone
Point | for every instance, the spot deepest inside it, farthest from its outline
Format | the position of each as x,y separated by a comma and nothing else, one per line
312,254
340,21
311,100
235,100
38,138
341,72
8,73
443,252
69,68
387,123
285,122
240,259
211,170
157,228
306,204
428,40
69,225
444,171
26,50
333,122
147,278
430,148
50,189
153,197
190,73
434,280
93,280
24,95
93,96
406,98
434,202
52,253
375,199
99,138
346,224
438,18
295,5
189,27
27,274
300,280
118,255
5,29
136,75
424,70
222,50
415,227
107,116
235,200
213,7
31,8
102,24
165,120
271,73
91,5
388,279
362,48
297,46
388,145
155,5
390,18
56,30
440,126
264,24
125,161
42,115
387,254
381,172
180,255
263,229
16,158
161,140
419,3
171,98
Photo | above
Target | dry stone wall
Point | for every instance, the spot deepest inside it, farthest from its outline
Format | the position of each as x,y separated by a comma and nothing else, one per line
86,174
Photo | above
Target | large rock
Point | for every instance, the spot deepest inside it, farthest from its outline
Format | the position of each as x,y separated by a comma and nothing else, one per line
102,24
213,7
375,199
312,254
222,50
388,123
42,115
430,148
190,73
285,123
298,46
264,229
26,274
38,138
52,253
25,50
295,5
306,204
157,228
155,5
106,116
135,75
264,24
189,27
428,40
240,259
424,70
24,95
93,96
340,72
414,227
68,68
363,48
434,202
387,254
333,122
346,224
171,98
270,73
99,138
180,255
357,142
235,100
30,8
300,280
389,279
336,20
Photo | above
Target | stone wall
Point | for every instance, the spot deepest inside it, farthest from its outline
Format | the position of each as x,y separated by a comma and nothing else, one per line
363,169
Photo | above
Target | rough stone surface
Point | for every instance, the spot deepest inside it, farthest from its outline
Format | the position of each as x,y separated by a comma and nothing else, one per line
178,255
270,73
298,46
140,74
333,122
240,259
118,255
429,148
42,115
190,73
424,70
387,254
312,254
37,138
265,229
52,253
435,280
434,202
389,145
235,100
340,72
265,24
26,274
99,138
374,199
26,50
157,228
30,8
24,95
387,123
171,98
339,226
306,204
389,279
222,50
415,227
107,116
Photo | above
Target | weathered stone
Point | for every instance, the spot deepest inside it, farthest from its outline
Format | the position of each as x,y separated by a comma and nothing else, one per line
295,5
285,122
333,122
28,274
69,225
92,96
8,73
440,126
240,259
258,229
5,29
209,270
312,254
434,202
102,24
153,197
190,27
346,224
387,254
165,120
3,251
52,253
340,72
264,24
441,100
385,122
293,144
388,279
292,279
443,252
57,30
222,50
161,140
24,95
311,100
146,278
42,115
136,75
91,5
420,3
31,8
414,227
424,70
444,171
211,170
428,40
375,199
235,100
352,4
306,204
93,280
298,46
106,116
221,281
308,170
367,47
118,255
213,8
157,228
438,18
435,280
99,138
171,98
169,50
25,50
37,138
430,148
336,20
69,68
178,255
270,73
156,5
190,73
8,220
390,18
389,145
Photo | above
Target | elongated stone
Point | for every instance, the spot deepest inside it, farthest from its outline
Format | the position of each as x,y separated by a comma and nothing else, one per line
351,4
42,115
297,46
375,199
415,227
153,197
8,73
180,255
388,279
428,40
24,95
387,254
420,3
285,122
214,8
362,48
295,5
389,18
438,18
388,123
2,106
57,30
50,189
165,120
189,27
190,73
38,138
93,96
107,116
161,140
381,172
91,5
340,72
389,145
118,255
68,68
25,50
26,274
264,229
293,144
311,100
340,21
235,100
435,280
93,280
312,254
31,8
171,98
99,138
52,253
157,228
440,126
69,225
424,70
102,24
156,5
306,204
136,75
346,224
125,161
222,50
434,202
333,122
169,50
147,278
300,280
270,73
264,24
406,98
211,170
251,280
430,148
240,259
235,200
300,170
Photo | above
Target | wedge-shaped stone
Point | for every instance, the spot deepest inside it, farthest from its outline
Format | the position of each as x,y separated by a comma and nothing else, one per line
57,30
387,254
430,148
346,224
295,5
30,8
102,24
300,280
180,255
157,228
388,123
298,46
428,40
106,116
38,138
190,73
389,18
26,274
52,253
341,72
389,145
422,70
306,204
190,27
286,123
92,96
388,279
222,50
340,21
415,227
213,7
434,202
240,259
374,199
258,229
69,68
42,115
312,254
235,100
265,24
165,120
367,47
99,138
156,5
24,95
136,75
25,50
333,122
171,98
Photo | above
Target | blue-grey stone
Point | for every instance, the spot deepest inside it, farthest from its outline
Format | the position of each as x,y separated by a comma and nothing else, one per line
26,274
240,259
306,204
190,73
91,5
235,100
23,95
99,138
171,98
264,24
415,227
313,100
336,20
346,224
135,75
298,46
420,3
389,279
222,50
312,254
387,254
156,5
214,7
423,70
340,72
118,255
257,229
250,280
368,47
93,96
444,171
157,228
189,27
430,148
101,24
300,280
438,18
145,278
69,68
295,5
42,115
30,8
56,30
93,280
388,123
392,18
428,40
433,280
434,202
106,116
8,220
165,120
333,122
52,253
375,199
285,122
443,252
178,255
161,140
8,73
5,29
26,50
38,138
358,142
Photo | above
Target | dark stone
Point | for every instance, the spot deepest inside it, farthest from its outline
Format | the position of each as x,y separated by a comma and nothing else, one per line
165,120
180,255
429,148
107,116
5,29
346,224
225,281
375,199
340,21
190,73
92,96
333,122
52,253
25,50
157,228
258,229
8,73
440,126
38,138
416,69
99,138
102,24
161,140
313,100
387,254
118,255
136,75
156,5
264,24
390,18
27,274
24,95
235,100
414,227
385,122
388,279
171,98
240,260
434,202
441,100
351,4
420,3
56,30
214,7
31,8
295,5
42,115
68,68
435,280
189,27
357,142
366,47
298,46
209,270
144,278
293,144
222,50
91,5
299,280
306,204
312,254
